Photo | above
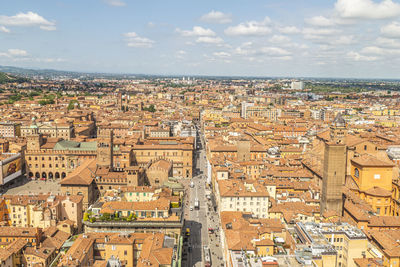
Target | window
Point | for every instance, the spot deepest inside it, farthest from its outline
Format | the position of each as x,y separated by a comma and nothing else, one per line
377,176
378,210
356,173
113,247
125,252
365,147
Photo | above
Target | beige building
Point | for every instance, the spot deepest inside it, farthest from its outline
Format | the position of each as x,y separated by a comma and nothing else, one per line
54,130
159,172
130,250
10,129
239,195
42,256
44,210
179,153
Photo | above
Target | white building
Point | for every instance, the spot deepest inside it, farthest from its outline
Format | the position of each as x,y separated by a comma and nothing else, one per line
238,195
297,85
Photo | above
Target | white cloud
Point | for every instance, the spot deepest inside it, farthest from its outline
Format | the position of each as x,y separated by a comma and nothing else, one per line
274,51
386,42
222,54
151,24
180,54
344,40
285,58
196,31
49,60
115,2
250,28
375,50
367,9
319,21
216,17
391,30
48,28
209,40
14,52
289,30
248,49
4,29
359,57
279,39
28,19
319,33
17,52
133,40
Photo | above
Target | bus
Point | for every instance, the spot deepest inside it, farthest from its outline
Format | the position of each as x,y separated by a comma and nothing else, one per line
207,256
196,204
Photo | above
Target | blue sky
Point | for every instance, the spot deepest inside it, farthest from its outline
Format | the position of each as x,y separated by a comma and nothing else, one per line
338,38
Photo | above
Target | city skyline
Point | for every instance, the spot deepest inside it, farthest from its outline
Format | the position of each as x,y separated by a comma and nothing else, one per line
349,39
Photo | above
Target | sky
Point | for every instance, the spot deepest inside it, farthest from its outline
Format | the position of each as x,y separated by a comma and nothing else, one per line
291,38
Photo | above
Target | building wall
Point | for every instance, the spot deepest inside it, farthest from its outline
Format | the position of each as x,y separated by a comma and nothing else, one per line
8,262
333,177
121,251
369,177
257,205
85,191
182,159
138,196
72,211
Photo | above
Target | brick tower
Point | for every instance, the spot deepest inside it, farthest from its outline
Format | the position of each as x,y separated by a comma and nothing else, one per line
105,148
334,167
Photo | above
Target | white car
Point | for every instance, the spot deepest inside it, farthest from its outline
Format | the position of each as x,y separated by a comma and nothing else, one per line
191,208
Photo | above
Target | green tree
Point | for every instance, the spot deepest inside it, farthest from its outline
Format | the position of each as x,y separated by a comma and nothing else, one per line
72,103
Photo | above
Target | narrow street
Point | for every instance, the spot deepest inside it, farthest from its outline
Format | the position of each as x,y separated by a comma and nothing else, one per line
200,220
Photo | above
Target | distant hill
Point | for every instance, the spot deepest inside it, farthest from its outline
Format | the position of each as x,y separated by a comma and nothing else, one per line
6,78
50,74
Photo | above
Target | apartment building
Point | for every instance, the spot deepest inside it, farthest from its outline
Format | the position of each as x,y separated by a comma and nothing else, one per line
245,196
129,250
332,244
10,233
43,210
176,150
52,130
10,129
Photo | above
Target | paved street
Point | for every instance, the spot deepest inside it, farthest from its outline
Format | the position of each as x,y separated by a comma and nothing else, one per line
200,220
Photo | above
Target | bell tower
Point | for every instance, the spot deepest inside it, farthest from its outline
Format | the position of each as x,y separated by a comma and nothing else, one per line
105,148
334,167
338,130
